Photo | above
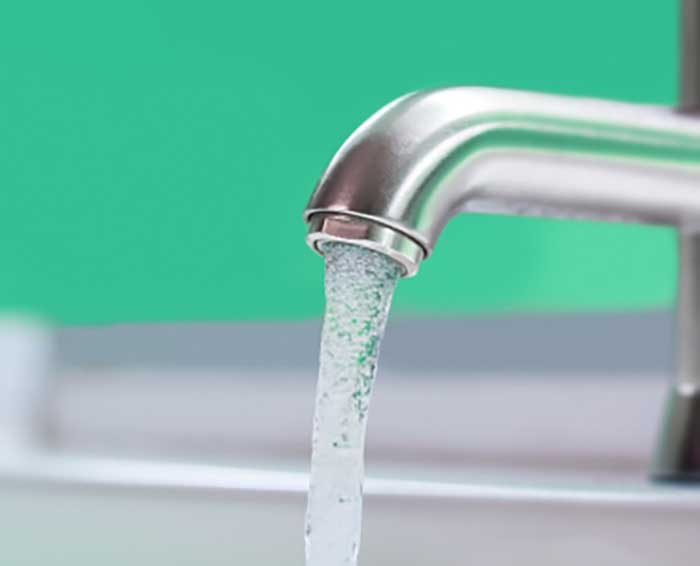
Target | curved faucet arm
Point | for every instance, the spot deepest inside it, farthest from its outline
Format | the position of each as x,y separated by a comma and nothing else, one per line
420,160
404,173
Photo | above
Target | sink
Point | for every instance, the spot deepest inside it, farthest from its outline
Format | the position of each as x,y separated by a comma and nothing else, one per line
186,463
139,513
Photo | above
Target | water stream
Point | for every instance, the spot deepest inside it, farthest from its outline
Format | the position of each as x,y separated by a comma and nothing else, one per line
359,286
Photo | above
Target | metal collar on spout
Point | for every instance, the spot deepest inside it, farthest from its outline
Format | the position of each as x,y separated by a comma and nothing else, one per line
331,227
404,173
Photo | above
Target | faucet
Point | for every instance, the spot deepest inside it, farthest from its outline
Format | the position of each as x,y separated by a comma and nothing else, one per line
403,174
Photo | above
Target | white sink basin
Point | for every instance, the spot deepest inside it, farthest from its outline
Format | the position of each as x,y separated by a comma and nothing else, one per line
82,511
152,467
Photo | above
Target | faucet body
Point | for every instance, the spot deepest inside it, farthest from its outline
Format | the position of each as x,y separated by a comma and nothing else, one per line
397,181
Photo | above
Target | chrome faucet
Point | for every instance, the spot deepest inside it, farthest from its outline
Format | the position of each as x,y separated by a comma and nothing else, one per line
420,160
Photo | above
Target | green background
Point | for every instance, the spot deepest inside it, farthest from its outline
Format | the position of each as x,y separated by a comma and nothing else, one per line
155,157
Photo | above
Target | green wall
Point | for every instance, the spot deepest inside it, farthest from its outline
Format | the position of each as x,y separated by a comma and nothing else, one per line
155,157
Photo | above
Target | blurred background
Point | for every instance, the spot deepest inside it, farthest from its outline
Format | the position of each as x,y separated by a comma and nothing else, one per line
155,160
157,156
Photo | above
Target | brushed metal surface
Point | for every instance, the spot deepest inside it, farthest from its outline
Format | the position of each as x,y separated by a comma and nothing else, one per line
430,155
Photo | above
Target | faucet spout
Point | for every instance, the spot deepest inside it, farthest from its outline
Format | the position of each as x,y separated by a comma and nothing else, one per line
397,181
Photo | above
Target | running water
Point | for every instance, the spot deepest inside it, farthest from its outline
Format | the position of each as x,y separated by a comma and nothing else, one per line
359,286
